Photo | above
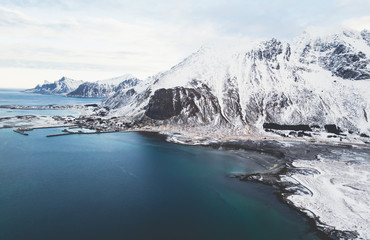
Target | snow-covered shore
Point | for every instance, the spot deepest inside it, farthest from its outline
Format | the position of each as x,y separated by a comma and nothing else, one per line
338,193
332,186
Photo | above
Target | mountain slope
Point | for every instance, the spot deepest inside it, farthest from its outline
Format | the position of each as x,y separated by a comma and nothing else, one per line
60,87
104,88
315,80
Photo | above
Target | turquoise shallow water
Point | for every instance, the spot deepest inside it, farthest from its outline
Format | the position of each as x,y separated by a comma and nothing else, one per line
133,186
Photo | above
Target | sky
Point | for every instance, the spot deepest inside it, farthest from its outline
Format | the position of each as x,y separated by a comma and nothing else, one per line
92,40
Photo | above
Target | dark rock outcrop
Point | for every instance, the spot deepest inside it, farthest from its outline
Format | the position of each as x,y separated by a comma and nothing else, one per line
184,105
332,128
276,126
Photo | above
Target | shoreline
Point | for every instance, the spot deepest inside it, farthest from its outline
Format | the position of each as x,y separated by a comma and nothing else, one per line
277,146
198,134
310,228
272,178
271,147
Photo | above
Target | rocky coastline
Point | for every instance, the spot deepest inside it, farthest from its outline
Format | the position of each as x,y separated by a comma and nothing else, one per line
289,148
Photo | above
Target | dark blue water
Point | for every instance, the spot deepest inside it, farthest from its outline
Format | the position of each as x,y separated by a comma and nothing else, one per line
132,186
17,97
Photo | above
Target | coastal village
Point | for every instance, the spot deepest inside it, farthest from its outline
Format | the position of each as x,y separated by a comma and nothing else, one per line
93,119
88,123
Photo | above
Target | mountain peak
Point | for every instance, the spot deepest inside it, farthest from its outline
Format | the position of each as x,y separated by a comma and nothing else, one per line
314,35
366,36
323,32
59,87
64,78
116,80
306,82
104,88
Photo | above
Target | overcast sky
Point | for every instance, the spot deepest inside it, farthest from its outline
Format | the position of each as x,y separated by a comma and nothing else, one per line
91,40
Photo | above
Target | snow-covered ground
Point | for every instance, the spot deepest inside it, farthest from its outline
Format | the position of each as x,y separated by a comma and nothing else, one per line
31,122
338,192
318,79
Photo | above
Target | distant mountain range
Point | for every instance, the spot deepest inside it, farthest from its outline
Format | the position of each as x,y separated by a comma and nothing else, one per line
104,88
60,87
74,88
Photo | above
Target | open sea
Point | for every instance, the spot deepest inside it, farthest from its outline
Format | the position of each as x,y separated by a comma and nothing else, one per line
130,186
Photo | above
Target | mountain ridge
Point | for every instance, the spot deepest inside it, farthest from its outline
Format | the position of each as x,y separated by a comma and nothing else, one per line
72,88
59,87
104,88
315,80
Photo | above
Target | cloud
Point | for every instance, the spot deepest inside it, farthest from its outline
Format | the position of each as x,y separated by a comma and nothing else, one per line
359,24
75,43
144,37
19,63
9,17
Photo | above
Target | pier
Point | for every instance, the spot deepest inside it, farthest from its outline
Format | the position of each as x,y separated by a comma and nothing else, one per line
20,131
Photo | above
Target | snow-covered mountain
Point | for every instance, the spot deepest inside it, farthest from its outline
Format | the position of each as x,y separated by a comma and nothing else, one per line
316,79
104,88
60,87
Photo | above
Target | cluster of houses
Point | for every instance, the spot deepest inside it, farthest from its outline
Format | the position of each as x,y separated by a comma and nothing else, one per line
97,123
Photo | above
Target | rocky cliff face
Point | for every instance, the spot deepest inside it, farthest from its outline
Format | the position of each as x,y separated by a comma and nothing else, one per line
184,105
315,80
341,53
61,87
